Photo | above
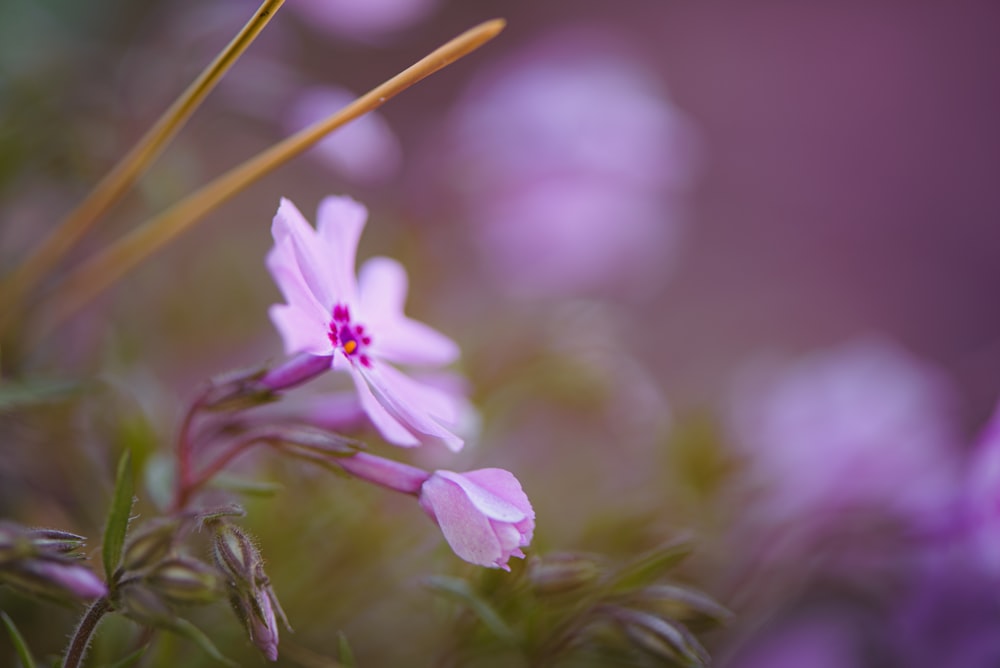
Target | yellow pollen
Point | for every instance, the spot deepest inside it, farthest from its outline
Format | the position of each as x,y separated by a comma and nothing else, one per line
350,347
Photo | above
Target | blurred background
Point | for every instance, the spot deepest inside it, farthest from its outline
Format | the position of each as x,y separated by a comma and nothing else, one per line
722,272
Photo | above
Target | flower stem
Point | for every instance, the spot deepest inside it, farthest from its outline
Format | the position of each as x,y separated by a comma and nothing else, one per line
116,260
84,631
191,485
185,452
386,473
129,168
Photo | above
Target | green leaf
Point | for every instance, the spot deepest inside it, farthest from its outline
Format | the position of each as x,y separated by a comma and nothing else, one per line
460,591
191,632
653,565
129,660
118,516
345,656
20,646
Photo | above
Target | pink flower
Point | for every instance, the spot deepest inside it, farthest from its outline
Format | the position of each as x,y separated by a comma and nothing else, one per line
981,497
485,515
863,426
571,162
368,21
358,322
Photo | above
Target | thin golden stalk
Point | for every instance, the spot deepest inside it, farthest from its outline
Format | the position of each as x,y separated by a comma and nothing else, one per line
117,259
129,168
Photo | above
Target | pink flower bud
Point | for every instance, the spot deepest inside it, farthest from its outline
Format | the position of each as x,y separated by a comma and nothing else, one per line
485,515
79,581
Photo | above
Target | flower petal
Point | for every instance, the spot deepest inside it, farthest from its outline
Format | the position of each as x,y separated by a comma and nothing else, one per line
382,285
469,533
340,221
284,267
444,406
495,493
315,269
390,428
299,330
408,408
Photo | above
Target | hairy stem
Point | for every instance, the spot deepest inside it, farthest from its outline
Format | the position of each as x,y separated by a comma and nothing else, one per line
84,632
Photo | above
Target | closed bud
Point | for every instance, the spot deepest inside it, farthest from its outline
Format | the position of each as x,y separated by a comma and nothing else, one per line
660,638
54,541
259,611
142,605
560,573
237,556
150,545
183,580
54,579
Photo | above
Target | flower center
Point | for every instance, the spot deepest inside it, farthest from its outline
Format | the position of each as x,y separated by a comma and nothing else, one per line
348,336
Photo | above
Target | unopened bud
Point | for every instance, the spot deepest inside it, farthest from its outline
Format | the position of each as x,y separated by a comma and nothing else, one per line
661,638
184,580
53,578
237,556
262,627
54,541
149,545
560,573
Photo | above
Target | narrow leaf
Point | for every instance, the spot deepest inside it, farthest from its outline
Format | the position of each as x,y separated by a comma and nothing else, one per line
345,656
118,516
460,591
191,632
653,565
131,659
20,646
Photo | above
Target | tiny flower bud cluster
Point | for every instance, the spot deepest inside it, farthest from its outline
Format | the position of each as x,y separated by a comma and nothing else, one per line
155,578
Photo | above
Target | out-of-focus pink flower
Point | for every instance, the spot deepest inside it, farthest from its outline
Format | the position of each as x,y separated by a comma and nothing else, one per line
861,427
981,493
365,151
815,640
366,21
485,515
570,158
358,322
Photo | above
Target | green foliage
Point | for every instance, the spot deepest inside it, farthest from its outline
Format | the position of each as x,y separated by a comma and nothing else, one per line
118,516
185,628
131,659
581,610
345,656
20,645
